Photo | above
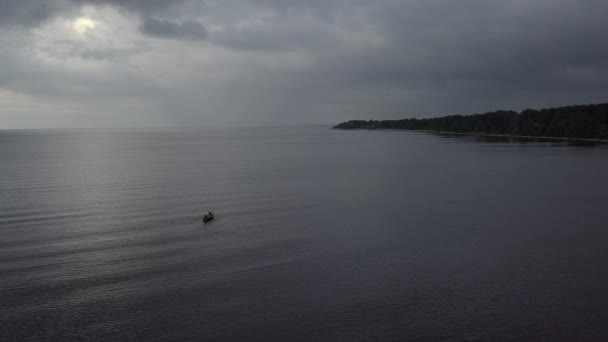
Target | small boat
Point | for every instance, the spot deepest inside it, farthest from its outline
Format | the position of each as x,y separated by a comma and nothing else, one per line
208,217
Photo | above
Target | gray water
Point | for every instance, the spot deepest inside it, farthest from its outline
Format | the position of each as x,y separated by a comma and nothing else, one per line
320,235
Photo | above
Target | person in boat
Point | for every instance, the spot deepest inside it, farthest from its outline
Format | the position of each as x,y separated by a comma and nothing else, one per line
208,217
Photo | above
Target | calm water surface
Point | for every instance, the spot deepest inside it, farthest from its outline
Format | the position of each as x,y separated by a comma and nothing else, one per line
320,235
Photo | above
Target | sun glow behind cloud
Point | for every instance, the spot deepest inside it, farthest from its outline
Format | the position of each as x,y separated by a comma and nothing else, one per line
83,24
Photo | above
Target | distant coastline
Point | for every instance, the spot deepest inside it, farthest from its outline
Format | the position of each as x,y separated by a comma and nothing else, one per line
580,123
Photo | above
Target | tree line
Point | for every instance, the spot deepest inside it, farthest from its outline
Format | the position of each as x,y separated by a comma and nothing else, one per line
580,121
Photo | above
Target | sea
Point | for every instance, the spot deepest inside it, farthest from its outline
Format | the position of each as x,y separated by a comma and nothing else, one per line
319,235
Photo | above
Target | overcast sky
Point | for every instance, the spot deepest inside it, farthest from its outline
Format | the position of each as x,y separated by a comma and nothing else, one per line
112,63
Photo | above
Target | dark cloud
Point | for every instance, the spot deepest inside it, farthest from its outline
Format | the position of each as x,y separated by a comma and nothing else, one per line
280,33
322,60
164,28
28,13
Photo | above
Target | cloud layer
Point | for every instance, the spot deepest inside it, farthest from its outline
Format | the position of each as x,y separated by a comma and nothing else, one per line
153,63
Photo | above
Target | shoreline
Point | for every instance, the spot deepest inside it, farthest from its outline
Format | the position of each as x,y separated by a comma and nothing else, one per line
605,141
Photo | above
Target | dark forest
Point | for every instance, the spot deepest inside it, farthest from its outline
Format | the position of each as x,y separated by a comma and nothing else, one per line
580,121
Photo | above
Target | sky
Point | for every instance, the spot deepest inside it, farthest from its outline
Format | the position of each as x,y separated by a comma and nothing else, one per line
153,63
